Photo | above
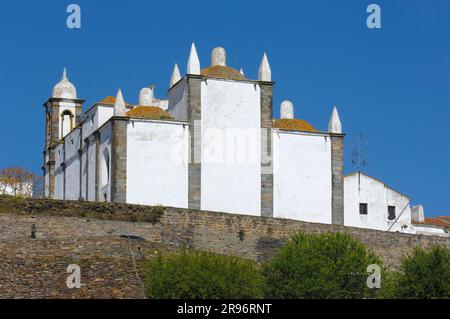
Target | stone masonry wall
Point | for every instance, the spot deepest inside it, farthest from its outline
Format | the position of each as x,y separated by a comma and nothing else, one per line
246,236
337,171
118,160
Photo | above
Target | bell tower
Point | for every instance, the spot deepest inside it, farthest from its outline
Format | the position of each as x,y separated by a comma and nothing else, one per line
62,114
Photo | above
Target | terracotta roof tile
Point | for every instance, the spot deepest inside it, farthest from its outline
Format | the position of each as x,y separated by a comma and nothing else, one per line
223,72
293,125
436,221
110,100
149,112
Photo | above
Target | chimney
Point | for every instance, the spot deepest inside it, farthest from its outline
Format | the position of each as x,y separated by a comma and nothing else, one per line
417,214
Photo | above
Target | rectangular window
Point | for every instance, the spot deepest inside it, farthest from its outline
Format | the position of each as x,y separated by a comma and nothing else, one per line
391,213
363,209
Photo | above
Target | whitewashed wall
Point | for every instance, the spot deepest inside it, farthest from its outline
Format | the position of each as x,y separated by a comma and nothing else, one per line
302,176
430,230
105,163
157,171
164,104
88,163
59,174
84,170
92,171
96,117
378,196
72,161
231,171
178,101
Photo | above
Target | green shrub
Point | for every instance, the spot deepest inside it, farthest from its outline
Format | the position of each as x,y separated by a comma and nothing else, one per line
200,275
425,274
389,282
320,266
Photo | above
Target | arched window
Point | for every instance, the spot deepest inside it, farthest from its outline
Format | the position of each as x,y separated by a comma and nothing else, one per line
66,123
105,168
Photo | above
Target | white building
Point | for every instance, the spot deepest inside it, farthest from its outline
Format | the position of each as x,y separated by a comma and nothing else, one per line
439,226
213,145
19,188
369,203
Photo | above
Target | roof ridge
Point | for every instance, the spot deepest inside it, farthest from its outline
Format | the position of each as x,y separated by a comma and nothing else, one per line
223,72
293,125
149,112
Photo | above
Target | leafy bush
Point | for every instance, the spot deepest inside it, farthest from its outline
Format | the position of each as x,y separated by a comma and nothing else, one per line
320,266
389,282
425,274
200,275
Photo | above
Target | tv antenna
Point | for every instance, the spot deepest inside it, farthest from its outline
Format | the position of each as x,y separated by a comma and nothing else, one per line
358,155
359,159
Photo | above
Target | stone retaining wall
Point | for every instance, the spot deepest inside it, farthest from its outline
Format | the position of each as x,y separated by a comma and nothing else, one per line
37,268
89,234
247,236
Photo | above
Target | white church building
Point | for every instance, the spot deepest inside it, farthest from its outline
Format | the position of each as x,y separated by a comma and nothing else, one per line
370,203
212,145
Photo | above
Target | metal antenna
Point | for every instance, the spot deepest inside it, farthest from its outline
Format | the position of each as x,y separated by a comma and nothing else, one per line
358,154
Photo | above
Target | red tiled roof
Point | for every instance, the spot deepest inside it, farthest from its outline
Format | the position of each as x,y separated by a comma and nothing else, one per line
293,125
111,100
223,72
149,112
441,221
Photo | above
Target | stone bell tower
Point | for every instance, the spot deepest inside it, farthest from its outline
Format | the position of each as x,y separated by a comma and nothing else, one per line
62,114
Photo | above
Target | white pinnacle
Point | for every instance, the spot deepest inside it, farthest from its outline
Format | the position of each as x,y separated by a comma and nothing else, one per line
335,125
64,76
175,76
193,66
119,106
264,73
242,71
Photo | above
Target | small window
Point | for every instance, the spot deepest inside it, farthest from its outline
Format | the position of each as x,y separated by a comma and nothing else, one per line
363,209
391,213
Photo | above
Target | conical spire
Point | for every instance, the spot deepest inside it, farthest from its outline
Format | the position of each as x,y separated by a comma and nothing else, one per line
242,71
175,76
193,66
264,73
119,106
335,125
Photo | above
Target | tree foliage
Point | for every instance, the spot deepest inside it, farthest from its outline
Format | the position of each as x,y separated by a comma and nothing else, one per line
18,181
320,266
425,274
201,275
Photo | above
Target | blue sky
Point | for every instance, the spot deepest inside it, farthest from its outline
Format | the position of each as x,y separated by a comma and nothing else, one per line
391,84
